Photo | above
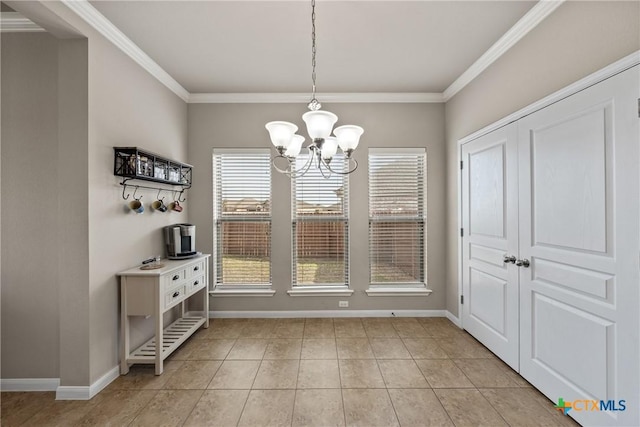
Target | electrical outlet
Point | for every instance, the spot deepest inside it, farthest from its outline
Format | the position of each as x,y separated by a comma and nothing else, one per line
343,304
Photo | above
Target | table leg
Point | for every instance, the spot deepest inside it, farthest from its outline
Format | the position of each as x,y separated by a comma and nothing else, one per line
124,329
205,306
159,332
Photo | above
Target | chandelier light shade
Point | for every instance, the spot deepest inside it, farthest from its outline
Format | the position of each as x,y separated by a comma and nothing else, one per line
281,133
329,148
348,137
323,147
319,123
294,146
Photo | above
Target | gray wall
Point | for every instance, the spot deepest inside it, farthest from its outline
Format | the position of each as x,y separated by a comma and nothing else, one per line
128,107
73,210
386,125
30,206
577,39
123,106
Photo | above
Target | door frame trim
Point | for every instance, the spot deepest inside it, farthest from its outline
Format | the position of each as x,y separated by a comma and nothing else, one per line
609,71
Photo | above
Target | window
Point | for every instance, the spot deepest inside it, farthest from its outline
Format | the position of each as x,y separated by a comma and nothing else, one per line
242,217
320,214
397,218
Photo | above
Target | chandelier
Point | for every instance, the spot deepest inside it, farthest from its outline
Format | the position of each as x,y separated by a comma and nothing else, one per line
323,146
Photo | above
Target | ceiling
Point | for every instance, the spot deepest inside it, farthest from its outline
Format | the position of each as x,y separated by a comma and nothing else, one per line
265,46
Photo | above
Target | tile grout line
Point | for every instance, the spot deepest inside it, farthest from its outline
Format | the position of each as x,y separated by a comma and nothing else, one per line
493,407
295,391
344,407
194,405
443,407
386,386
251,386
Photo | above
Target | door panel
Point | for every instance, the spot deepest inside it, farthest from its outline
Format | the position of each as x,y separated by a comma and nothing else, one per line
557,351
571,152
488,255
486,195
484,290
579,228
585,281
490,222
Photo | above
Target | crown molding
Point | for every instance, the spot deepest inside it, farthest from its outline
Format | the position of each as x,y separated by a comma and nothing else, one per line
15,22
611,70
100,23
284,98
528,22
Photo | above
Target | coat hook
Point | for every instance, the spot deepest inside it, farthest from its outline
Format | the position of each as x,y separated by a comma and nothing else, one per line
160,191
124,187
180,195
134,194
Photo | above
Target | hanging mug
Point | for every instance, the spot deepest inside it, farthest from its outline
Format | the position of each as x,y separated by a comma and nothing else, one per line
177,207
136,206
159,205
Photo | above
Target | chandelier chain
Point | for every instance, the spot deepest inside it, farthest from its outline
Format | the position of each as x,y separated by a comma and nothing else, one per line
314,105
313,46
323,147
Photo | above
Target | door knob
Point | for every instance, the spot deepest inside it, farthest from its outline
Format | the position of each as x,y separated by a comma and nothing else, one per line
522,263
509,259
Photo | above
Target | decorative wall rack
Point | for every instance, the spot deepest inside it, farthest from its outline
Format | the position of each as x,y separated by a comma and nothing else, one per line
132,163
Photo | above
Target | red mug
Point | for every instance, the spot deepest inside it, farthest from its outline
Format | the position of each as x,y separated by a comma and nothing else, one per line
177,207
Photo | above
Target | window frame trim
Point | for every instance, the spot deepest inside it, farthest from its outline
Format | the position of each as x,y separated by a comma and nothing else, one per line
400,288
300,289
239,289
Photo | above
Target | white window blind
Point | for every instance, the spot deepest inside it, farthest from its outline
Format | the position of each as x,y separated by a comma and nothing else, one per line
397,217
242,216
320,214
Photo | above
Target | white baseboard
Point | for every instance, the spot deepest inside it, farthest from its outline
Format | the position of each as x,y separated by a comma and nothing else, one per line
456,321
66,392
325,313
99,385
29,384
87,392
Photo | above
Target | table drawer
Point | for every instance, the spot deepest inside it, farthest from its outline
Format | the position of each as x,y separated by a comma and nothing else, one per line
174,278
195,269
195,284
174,296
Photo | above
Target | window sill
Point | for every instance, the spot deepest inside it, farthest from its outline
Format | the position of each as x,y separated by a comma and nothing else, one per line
320,292
404,292
242,292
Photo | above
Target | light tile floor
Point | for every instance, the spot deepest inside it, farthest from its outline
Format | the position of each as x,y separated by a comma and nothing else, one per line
309,372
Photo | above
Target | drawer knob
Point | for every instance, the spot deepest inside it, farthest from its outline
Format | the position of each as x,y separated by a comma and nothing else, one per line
176,277
196,268
176,294
196,283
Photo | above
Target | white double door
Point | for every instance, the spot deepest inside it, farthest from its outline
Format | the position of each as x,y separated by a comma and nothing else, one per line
551,248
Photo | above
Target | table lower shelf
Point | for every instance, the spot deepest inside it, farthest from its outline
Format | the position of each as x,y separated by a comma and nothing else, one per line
172,336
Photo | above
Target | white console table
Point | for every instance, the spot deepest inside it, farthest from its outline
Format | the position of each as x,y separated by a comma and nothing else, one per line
152,293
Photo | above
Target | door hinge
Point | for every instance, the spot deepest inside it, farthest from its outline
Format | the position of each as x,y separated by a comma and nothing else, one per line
462,232
461,299
462,162
638,107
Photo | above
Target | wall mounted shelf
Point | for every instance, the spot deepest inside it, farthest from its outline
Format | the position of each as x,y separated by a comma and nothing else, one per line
132,163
